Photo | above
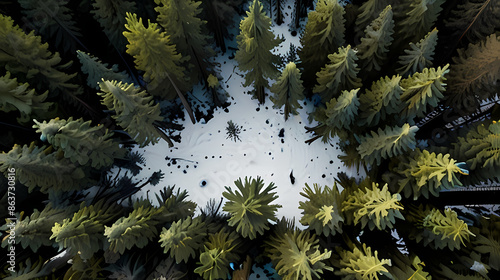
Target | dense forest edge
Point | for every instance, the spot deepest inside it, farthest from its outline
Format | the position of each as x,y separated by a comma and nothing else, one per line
408,88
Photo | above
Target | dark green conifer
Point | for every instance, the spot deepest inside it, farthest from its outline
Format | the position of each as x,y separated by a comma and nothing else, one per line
323,35
254,55
288,90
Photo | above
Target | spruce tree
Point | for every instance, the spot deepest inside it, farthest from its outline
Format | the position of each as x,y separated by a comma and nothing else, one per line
419,55
288,90
372,51
155,54
180,19
323,35
339,74
135,110
254,55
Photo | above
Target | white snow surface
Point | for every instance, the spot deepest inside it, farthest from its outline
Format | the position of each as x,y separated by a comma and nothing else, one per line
205,154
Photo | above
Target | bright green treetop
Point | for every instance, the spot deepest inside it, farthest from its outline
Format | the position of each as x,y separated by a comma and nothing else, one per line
340,73
180,19
372,51
255,42
288,90
156,56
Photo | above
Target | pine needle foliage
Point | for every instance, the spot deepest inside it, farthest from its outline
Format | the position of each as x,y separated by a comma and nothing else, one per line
372,51
322,210
288,90
362,264
83,234
419,19
219,251
180,19
156,55
408,267
98,70
135,110
40,167
183,239
419,56
446,230
174,206
387,142
134,230
476,19
380,101
34,231
339,74
427,173
373,207
341,112
324,33
297,255
423,90
19,97
111,16
480,148
80,142
25,54
251,207
52,18
487,241
475,74
254,56
368,12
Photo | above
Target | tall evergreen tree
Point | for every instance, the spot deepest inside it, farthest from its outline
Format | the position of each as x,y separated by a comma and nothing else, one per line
288,90
180,19
419,55
220,16
155,54
374,46
135,110
255,42
339,74
323,35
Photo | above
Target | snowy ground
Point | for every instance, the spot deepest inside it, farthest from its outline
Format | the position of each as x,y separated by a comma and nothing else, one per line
206,156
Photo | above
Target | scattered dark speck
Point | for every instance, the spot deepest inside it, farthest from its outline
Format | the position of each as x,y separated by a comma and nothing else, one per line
257,109
187,166
267,121
267,108
311,160
168,164
184,171
178,166
213,156
226,110
195,166
323,176
244,155
206,157
331,161
282,133
283,141
220,156
174,161
338,167
269,153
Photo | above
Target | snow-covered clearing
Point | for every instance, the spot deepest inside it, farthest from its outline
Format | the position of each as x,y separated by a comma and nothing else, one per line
206,157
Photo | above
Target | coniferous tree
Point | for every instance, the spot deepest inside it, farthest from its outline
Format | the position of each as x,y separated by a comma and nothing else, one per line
368,12
180,19
339,74
40,167
220,16
52,18
111,15
254,55
372,51
419,56
418,19
387,142
323,35
16,96
278,9
475,75
288,90
250,206
97,70
422,90
26,55
157,57
135,110
80,142
380,101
